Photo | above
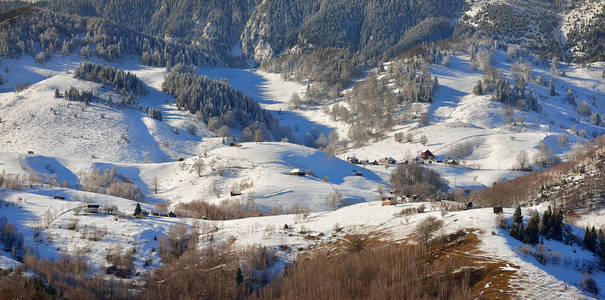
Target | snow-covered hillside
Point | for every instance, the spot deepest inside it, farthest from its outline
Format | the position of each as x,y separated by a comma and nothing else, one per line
457,116
34,120
41,135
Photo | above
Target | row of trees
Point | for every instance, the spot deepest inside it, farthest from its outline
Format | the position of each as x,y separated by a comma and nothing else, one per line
74,94
414,179
594,241
550,225
123,82
11,238
111,183
208,98
372,107
413,79
371,110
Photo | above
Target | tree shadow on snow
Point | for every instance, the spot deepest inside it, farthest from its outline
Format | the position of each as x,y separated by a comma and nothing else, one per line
570,274
48,166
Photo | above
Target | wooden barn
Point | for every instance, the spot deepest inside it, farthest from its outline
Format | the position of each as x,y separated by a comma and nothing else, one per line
427,155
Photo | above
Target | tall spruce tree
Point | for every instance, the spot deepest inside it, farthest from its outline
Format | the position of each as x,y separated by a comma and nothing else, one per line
138,211
590,239
517,216
532,235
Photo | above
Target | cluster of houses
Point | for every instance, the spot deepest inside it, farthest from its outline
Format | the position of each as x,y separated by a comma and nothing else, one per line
424,156
93,208
387,160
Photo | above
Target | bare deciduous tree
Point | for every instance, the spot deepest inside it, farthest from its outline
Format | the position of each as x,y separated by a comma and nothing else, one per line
155,184
522,159
424,140
424,230
199,167
295,101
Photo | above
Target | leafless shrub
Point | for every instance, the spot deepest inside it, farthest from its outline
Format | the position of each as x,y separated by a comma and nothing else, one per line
126,190
226,210
11,237
11,182
180,238
501,221
334,200
420,209
562,140
121,261
110,209
73,225
588,284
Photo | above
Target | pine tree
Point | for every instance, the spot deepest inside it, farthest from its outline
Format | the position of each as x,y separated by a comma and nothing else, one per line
590,241
601,243
556,225
517,216
545,222
516,231
551,88
532,230
239,278
137,210
57,93
595,119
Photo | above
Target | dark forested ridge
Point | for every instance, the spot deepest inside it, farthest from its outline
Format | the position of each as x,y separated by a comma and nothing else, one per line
42,33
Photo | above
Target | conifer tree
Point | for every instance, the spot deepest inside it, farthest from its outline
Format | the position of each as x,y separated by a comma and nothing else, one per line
532,230
545,222
590,239
517,216
137,210
239,278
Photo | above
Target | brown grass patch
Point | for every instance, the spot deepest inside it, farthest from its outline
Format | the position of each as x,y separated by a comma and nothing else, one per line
370,267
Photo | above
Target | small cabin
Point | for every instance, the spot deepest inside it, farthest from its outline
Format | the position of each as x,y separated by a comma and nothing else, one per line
297,172
427,155
452,162
159,213
498,209
92,208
